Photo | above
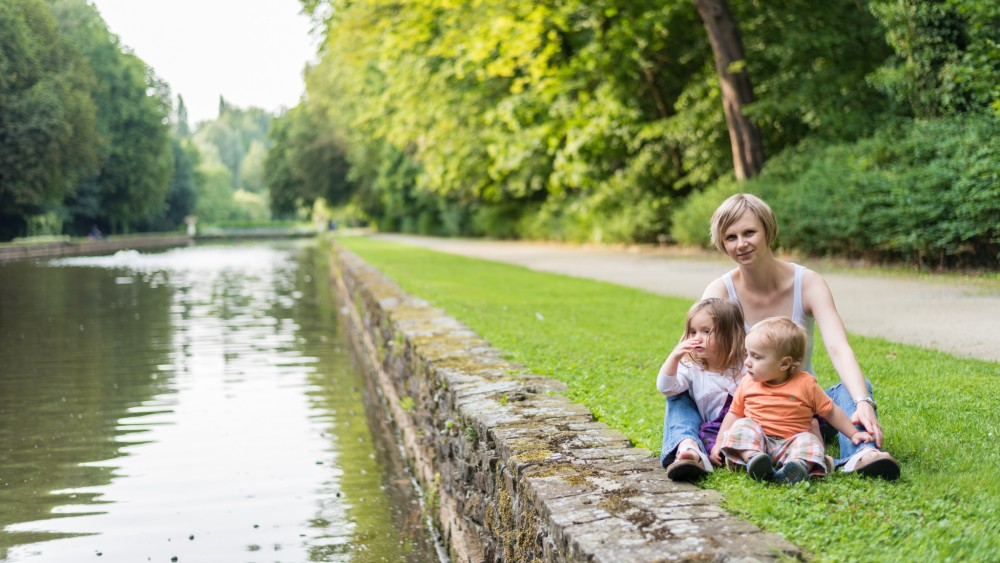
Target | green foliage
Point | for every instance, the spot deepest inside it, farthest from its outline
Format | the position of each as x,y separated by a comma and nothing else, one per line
181,195
489,105
48,136
306,163
578,121
45,225
238,139
252,168
690,222
132,106
497,221
406,403
947,55
597,122
926,191
809,69
939,423
214,194
251,206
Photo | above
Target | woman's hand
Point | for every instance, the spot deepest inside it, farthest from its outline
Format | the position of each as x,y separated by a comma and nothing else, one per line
864,414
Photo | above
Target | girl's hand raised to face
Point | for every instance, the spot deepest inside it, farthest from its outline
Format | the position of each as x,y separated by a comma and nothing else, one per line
686,346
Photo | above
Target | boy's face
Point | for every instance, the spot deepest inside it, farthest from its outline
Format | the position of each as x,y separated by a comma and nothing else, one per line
763,363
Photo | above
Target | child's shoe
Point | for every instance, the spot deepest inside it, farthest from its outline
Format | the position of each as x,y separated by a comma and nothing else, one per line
686,470
759,467
792,472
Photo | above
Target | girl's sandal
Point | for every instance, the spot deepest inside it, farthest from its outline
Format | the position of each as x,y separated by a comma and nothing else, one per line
686,470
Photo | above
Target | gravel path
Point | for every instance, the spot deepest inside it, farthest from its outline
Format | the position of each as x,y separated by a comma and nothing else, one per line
958,317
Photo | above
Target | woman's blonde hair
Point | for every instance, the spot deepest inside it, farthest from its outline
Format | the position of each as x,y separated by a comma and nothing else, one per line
785,337
729,331
733,208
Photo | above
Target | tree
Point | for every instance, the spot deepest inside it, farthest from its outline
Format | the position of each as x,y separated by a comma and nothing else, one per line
182,194
946,56
307,162
48,138
734,80
132,111
232,135
181,127
214,193
252,168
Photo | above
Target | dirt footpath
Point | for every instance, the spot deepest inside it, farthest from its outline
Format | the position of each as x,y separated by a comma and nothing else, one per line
962,318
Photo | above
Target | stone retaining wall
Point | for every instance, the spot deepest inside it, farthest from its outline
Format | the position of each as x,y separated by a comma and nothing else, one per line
512,470
79,247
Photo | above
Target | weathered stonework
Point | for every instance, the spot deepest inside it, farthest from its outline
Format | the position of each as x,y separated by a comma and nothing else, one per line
10,252
512,470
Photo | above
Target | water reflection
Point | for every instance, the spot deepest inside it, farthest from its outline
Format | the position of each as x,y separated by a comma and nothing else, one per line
196,404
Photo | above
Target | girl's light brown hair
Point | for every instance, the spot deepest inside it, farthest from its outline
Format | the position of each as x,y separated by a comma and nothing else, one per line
729,331
733,208
785,337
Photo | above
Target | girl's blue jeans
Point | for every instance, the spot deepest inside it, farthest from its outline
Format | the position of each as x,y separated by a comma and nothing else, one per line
683,421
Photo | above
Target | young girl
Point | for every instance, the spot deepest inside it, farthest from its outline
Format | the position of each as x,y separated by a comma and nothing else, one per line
706,364
769,424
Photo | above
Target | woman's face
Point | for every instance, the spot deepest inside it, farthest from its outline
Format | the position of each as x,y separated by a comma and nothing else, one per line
744,239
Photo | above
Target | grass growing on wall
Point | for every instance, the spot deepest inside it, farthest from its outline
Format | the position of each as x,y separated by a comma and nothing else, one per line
606,342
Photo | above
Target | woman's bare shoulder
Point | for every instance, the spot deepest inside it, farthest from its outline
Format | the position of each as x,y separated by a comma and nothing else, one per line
813,281
716,288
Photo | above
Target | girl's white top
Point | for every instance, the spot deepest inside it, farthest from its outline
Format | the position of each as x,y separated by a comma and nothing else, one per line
707,388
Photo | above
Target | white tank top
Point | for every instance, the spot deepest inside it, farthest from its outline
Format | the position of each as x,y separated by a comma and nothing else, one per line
798,314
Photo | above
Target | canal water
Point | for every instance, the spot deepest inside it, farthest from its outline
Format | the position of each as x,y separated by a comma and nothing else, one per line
192,405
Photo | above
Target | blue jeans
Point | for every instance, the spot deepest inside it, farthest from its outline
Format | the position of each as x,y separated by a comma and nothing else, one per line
682,420
842,398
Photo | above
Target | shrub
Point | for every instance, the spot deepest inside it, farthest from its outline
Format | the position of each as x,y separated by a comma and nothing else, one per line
690,223
920,191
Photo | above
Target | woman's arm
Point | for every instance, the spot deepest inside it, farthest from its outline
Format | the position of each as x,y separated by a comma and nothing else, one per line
817,300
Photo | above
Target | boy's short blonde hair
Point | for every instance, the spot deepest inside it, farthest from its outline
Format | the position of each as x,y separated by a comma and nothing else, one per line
784,336
733,208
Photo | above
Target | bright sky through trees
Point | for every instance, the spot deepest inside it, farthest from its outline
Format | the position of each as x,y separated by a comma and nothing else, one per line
251,52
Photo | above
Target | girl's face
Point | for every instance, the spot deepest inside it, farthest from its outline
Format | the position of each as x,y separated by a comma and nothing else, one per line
744,239
702,327
763,364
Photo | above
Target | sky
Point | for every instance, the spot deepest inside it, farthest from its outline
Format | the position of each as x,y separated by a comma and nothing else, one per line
251,52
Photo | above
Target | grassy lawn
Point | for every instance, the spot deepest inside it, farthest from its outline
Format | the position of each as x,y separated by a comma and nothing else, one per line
607,342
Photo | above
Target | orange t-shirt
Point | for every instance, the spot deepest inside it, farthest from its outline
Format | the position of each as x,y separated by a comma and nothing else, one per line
782,410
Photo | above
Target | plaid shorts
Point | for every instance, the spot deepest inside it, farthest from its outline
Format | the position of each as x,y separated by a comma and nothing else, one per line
746,435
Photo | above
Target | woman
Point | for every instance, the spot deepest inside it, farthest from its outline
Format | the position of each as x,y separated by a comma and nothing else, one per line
744,228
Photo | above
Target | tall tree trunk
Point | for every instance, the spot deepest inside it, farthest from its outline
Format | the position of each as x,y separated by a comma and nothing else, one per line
737,92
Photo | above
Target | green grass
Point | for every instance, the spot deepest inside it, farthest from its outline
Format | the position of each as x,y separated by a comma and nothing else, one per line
606,342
